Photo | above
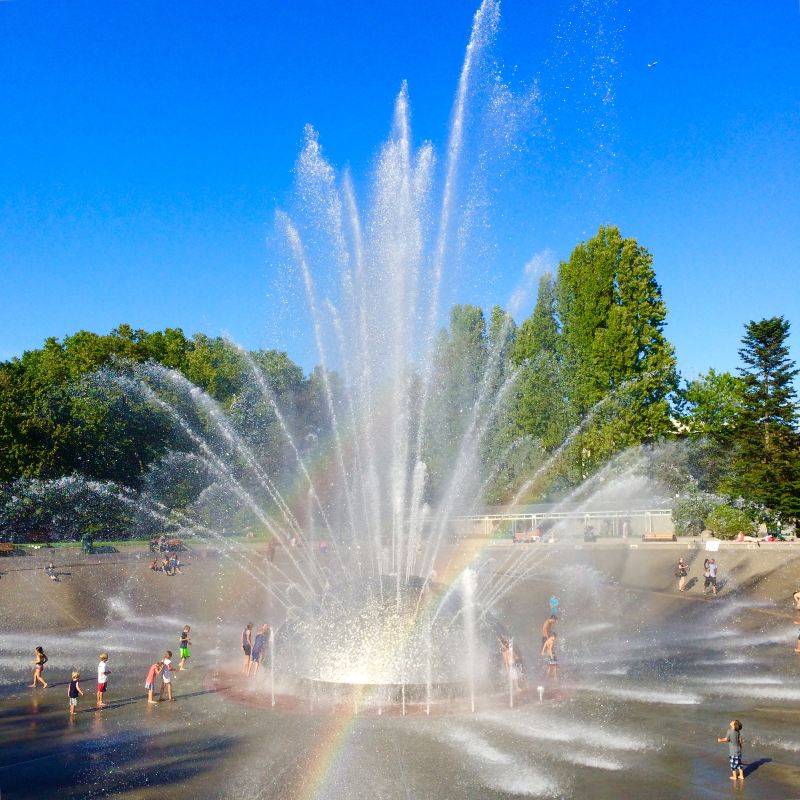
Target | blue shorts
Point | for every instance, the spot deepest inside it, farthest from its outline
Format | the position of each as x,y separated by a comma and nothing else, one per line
735,762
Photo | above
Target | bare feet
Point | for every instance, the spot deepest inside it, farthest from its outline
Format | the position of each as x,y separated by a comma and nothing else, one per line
153,702
44,686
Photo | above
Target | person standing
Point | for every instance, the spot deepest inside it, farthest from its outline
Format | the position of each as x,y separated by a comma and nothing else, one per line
184,645
712,576
166,676
150,681
247,646
74,691
102,679
681,572
257,654
548,626
38,668
734,739
554,604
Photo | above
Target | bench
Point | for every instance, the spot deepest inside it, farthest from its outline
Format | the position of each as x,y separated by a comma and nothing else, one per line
659,537
7,549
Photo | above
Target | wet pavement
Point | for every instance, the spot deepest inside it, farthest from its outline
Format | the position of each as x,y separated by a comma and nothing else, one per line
647,681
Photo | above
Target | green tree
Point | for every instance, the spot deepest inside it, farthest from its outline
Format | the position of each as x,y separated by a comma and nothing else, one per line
765,437
619,368
707,411
461,361
712,404
540,409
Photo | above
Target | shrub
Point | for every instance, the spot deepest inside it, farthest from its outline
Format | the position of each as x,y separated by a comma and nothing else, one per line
727,521
690,512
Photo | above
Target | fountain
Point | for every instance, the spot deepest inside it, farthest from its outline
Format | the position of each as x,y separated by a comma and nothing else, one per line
358,595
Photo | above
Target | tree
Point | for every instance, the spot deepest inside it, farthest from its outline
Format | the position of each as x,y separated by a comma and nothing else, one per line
540,409
712,404
765,438
707,410
619,368
460,366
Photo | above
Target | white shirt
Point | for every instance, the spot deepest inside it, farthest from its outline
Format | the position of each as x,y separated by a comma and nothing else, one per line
165,673
102,669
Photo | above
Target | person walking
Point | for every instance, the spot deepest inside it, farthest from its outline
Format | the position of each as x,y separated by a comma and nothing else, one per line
38,668
681,572
734,739
74,691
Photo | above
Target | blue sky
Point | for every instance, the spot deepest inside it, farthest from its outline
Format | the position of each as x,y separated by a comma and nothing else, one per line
146,146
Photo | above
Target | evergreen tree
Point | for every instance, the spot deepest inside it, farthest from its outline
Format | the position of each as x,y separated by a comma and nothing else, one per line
765,438
539,410
461,361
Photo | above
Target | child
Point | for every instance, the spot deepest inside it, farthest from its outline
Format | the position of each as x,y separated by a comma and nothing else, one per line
681,572
166,676
102,679
38,668
150,681
73,692
554,604
184,644
247,646
735,741
257,653
548,648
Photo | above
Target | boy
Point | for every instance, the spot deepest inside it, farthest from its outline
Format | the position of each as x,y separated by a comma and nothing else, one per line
735,741
102,679
166,676
184,645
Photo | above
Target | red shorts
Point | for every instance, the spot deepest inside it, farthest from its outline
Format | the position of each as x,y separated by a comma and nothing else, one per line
101,687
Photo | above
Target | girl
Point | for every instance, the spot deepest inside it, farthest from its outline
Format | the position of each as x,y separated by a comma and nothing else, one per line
735,741
150,681
184,644
38,668
73,692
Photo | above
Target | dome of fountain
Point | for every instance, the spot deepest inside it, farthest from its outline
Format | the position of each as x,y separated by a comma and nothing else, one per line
375,632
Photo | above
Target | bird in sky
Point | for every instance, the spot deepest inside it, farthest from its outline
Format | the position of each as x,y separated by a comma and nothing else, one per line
652,64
